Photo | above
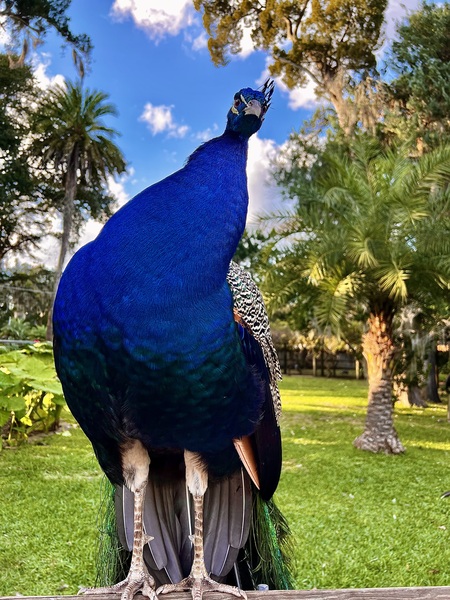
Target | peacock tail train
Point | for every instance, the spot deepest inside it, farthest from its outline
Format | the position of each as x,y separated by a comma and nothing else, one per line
265,559
112,560
269,549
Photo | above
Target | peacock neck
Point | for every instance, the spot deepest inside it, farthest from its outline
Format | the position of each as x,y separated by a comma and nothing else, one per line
178,236
214,219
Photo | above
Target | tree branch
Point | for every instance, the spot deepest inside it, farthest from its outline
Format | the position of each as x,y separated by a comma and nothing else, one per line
300,18
24,24
289,33
302,68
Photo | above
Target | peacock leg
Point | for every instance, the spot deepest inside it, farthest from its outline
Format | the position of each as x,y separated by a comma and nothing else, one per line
198,581
135,464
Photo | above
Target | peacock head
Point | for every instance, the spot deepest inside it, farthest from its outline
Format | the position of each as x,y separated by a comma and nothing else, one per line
246,115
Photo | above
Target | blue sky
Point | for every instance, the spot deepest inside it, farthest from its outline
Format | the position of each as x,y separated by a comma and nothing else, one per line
151,58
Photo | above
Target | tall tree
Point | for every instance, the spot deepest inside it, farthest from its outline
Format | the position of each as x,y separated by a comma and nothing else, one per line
73,141
23,206
333,42
28,21
421,63
369,233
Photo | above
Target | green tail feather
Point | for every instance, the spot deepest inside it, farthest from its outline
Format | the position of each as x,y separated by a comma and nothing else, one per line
113,560
269,547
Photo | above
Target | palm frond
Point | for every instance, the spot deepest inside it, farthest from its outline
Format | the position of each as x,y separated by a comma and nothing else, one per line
372,211
362,247
336,293
392,280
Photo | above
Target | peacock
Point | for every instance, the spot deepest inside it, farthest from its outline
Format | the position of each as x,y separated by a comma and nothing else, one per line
163,348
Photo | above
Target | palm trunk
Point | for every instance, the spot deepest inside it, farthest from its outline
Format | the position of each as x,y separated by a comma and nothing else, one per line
433,375
69,198
378,348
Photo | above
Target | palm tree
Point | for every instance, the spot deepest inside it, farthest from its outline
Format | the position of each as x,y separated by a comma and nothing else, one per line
75,144
369,233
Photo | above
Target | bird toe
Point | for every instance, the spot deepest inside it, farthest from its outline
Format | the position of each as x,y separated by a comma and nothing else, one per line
199,585
135,582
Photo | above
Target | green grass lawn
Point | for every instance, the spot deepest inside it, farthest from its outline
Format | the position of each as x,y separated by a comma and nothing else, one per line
363,520
358,520
48,509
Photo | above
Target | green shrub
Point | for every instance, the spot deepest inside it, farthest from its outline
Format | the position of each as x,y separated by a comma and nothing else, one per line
20,329
31,397
38,332
16,329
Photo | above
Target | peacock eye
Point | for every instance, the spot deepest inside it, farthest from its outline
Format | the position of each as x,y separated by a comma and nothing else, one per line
237,101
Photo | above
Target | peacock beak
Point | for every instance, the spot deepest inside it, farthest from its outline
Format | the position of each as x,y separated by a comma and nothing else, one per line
253,108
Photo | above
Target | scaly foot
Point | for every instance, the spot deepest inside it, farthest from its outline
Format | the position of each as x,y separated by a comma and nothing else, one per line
137,581
199,585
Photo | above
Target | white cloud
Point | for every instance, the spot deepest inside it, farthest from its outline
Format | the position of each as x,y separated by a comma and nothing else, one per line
160,119
200,42
48,251
40,73
5,37
156,18
116,187
395,12
304,97
90,232
247,46
264,196
207,134
159,19
39,64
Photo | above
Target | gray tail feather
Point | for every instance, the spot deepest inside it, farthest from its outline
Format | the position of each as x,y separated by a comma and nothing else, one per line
246,538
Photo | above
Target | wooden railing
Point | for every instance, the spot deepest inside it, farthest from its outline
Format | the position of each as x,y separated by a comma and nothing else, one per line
419,593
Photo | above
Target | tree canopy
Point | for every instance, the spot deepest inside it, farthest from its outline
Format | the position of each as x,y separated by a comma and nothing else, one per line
74,144
23,205
332,42
28,21
420,59
368,235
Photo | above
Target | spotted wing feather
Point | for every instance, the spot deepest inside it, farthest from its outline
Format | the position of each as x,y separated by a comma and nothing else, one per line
250,310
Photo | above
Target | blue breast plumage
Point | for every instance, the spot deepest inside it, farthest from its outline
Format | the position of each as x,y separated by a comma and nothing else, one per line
164,352
147,306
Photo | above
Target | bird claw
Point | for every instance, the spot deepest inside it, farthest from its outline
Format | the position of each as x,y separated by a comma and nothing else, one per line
128,588
199,585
